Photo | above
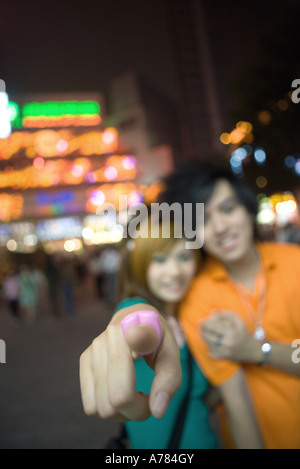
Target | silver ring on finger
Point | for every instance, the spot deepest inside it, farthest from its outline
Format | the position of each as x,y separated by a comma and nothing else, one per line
218,340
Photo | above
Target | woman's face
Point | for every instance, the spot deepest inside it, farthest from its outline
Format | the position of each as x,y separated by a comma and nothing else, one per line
170,274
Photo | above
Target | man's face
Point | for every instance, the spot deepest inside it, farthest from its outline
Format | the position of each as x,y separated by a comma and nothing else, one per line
228,226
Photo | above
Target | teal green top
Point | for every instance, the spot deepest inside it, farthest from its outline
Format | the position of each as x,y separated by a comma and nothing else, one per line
155,433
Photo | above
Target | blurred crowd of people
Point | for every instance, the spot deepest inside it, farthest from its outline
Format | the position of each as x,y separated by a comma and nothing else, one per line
105,266
287,233
23,289
32,289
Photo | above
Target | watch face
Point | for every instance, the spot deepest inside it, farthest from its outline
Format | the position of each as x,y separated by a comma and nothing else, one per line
266,347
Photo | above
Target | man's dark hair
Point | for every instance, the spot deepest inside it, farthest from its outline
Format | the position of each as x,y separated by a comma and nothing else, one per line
195,182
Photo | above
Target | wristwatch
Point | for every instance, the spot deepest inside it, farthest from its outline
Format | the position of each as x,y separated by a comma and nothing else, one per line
266,348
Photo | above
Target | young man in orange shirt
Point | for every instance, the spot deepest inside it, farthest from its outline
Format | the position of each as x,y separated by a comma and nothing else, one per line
245,303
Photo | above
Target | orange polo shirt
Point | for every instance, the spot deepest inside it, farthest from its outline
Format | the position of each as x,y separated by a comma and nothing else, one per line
276,395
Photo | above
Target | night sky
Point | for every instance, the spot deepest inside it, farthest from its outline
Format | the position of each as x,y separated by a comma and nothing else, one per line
69,46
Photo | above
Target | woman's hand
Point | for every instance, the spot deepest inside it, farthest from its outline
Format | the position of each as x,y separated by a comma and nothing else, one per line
107,373
228,337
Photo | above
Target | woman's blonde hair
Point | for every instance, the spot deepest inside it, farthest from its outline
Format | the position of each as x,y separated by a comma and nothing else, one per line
138,254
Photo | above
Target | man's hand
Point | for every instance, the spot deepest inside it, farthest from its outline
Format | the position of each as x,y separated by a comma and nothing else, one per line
228,337
107,373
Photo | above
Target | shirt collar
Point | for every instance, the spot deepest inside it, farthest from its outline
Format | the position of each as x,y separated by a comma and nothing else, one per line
216,269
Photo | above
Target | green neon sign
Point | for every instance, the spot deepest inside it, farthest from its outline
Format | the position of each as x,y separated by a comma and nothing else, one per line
59,108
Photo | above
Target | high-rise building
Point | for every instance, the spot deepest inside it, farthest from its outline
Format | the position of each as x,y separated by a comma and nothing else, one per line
147,123
199,108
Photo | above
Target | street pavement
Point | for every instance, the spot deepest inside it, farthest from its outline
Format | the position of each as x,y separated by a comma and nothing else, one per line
40,403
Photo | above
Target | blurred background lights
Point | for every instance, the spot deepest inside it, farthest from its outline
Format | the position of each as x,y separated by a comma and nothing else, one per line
72,245
13,111
244,126
237,135
62,146
264,117
242,132
282,104
38,162
11,245
260,155
77,170
119,228
134,198
69,245
297,167
236,165
30,240
87,233
117,233
90,178
285,207
261,182
128,162
109,136
97,197
225,138
110,173
84,163
290,161
239,153
266,213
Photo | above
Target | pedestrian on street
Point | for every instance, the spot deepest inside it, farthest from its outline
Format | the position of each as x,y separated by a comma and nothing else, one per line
29,291
68,281
110,264
96,269
11,290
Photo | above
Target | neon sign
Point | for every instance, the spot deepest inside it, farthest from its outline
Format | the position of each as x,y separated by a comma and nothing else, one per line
45,198
65,172
110,193
55,114
59,108
11,207
60,121
55,143
56,203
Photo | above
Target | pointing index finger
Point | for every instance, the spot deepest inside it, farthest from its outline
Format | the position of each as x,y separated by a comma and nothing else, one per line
142,330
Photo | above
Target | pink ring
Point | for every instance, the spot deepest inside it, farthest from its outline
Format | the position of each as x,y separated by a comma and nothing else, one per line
146,316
